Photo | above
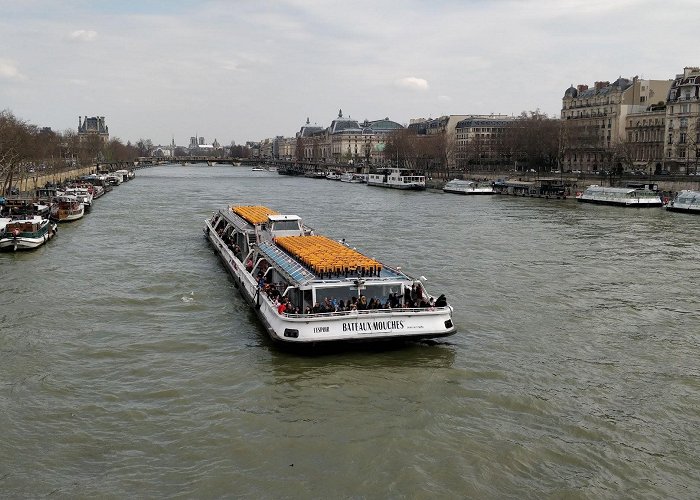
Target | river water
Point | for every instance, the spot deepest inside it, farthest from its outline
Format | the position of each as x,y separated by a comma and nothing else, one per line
131,366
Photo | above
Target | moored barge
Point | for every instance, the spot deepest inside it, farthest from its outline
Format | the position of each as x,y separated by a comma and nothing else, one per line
309,289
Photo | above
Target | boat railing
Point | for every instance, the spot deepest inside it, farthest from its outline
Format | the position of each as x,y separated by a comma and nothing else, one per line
365,312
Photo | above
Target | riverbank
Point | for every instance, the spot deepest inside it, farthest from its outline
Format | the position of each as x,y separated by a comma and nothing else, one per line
40,180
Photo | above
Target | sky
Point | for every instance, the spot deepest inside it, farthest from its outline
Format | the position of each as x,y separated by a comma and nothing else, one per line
248,70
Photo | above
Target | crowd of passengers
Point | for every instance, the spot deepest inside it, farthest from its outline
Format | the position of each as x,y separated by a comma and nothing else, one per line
412,298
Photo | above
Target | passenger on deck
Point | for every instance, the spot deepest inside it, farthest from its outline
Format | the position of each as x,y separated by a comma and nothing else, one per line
441,301
362,305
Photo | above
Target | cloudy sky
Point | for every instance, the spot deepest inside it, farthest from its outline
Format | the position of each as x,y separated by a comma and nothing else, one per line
246,70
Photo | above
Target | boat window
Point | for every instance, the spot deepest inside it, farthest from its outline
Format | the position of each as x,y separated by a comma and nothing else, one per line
382,292
285,225
338,293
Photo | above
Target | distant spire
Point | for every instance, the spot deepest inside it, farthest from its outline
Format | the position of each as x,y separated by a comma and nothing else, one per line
307,120
340,113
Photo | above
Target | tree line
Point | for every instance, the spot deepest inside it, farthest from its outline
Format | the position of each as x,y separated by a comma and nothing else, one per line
533,139
27,150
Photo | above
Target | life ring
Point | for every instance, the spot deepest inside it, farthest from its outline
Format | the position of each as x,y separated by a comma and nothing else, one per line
15,232
578,194
665,200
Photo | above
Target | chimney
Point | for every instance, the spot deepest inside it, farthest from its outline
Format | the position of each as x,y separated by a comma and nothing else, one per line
580,87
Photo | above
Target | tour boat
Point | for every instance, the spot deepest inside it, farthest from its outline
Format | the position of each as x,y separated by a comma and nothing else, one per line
397,178
459,186
332,175
309,289
25,233
67,209
685,201
257,169
643,196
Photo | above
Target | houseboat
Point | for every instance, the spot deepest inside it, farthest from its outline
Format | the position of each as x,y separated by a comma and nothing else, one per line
458,186
82,194
311,290
25,233
397,178
67,209
641,196
685,201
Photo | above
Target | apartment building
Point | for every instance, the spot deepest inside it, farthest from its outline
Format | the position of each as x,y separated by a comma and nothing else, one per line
594,119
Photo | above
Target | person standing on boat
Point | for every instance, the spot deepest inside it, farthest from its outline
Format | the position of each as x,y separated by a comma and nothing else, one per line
282,307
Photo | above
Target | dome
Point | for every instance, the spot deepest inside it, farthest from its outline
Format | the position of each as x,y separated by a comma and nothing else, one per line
571,92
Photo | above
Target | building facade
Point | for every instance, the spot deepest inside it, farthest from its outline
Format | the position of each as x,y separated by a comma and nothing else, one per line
595,119
345,141
479,139
644,147
681,148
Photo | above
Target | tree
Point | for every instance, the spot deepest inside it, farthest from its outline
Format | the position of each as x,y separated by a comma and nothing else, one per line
15,147
534,138
144,146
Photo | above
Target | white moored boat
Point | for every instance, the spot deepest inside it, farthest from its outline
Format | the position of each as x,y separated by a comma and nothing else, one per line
308,289
351,178
397,178
685,201
25,233
459,186
640,197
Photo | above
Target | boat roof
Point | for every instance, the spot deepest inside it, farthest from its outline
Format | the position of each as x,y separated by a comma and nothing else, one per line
615,190
324,255
276,218
253,214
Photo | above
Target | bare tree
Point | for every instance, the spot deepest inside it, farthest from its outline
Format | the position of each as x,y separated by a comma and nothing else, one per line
534,138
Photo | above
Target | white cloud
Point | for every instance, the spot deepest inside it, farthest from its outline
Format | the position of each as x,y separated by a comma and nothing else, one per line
83,35
444,98
9,71
412,83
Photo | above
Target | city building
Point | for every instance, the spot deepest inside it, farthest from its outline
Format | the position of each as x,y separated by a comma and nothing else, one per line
345,140
595,119
644,148
681,151
479,139
93,126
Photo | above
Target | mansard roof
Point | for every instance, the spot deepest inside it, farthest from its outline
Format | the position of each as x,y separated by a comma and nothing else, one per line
309,130
480,121
344,125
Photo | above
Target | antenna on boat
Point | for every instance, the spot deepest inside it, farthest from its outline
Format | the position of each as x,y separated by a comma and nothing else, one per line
423,278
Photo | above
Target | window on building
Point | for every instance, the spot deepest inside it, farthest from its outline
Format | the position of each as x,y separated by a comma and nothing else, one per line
682,138
642,98
670,138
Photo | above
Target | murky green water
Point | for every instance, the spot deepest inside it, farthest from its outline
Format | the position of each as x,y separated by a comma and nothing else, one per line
131,367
